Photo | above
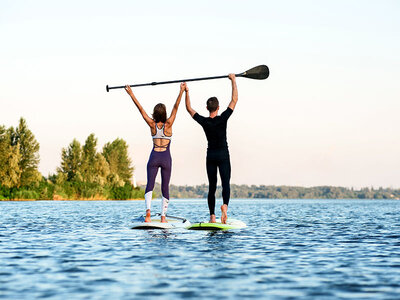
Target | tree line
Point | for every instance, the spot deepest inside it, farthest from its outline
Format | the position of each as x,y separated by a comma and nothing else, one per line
283,192
84,173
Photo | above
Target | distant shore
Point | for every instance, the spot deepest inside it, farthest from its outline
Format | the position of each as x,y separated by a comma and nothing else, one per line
59,200
283,192
128,192
65,200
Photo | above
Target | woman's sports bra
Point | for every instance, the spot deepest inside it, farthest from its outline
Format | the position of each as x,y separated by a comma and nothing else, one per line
161,135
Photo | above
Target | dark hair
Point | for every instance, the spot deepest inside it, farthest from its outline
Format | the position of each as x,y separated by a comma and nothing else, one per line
160,113
212,104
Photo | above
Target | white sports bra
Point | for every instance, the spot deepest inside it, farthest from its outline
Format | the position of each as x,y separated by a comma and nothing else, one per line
160,134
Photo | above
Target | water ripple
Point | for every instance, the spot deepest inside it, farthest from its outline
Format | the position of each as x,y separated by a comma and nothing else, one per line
313,249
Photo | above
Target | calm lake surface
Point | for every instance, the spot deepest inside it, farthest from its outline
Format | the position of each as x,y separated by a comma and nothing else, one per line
292,249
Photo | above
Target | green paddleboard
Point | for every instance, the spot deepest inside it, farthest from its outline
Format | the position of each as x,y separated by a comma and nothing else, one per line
230,224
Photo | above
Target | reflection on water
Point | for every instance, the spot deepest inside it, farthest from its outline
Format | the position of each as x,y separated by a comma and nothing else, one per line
325,249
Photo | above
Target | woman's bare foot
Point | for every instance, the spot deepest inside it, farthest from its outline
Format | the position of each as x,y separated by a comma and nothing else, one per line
212,219
147,219
224,213
163,220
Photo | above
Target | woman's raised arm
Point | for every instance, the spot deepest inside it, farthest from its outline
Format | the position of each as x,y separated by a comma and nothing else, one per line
148,120
171,119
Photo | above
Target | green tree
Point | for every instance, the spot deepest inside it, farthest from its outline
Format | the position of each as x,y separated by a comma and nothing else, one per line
10,156
101,169
71,162
23,138
89,157
116,154
4,143
95,168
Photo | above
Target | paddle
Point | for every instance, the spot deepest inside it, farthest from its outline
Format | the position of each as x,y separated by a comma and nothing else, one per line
259,72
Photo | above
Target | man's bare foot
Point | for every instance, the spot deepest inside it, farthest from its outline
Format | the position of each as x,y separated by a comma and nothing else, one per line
212,219
148,218
163,220
224,213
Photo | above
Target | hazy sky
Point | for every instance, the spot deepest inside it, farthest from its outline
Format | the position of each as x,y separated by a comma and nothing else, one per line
328,114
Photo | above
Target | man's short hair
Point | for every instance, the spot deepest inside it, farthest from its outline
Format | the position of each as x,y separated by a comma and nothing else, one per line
212,104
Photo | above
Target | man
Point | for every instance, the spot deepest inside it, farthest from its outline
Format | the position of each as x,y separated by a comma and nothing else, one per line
217,151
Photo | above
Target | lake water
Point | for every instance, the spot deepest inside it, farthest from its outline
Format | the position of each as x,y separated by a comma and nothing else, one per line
292,249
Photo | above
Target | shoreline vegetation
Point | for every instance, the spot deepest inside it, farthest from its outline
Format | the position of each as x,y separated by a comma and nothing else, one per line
286,192
87,174
237,192
84,172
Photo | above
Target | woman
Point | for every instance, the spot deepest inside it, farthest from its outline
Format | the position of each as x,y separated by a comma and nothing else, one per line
160,157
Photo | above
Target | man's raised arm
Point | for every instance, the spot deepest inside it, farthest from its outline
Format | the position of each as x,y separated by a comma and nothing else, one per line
234,100
189,108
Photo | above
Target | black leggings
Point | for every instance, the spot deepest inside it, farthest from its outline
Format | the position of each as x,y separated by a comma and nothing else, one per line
224,166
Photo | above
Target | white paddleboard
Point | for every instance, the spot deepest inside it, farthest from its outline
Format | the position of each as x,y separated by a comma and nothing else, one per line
230,224
156,223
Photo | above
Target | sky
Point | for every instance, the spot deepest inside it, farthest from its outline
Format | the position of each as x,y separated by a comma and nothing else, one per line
327,115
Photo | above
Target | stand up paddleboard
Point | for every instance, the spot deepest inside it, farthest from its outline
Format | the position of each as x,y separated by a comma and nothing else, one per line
173,222
230,224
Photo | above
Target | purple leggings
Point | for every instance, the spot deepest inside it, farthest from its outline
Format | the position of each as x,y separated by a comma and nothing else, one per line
161,160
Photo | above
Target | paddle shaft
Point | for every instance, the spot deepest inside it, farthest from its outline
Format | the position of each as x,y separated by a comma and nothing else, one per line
171,81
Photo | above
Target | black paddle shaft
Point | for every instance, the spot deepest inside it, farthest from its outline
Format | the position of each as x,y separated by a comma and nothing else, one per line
259,72
165,82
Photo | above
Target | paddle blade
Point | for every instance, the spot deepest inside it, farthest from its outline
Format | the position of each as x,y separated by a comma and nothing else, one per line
259,72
